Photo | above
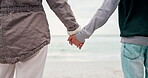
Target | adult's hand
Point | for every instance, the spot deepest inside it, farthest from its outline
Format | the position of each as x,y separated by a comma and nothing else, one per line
73,40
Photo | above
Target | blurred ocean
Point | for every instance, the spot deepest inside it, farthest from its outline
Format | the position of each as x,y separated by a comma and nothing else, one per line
99,58
94,49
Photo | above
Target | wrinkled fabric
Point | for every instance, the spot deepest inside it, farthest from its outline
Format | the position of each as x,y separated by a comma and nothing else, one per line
60,7
24,28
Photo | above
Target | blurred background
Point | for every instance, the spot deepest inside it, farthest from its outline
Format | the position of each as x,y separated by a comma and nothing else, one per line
100,55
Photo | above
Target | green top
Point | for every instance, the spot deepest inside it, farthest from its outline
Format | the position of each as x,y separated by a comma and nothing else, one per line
133,18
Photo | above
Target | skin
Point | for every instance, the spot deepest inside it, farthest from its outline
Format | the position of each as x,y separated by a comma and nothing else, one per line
73,40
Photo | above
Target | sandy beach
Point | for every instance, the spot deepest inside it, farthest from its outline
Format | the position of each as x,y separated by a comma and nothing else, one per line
105,68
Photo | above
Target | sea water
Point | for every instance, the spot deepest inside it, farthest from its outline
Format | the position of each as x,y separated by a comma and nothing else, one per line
95,48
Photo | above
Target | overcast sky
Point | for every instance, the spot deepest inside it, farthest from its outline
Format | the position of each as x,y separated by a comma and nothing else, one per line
83,11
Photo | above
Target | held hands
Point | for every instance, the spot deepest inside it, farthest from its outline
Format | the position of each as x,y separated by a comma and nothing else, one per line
73,40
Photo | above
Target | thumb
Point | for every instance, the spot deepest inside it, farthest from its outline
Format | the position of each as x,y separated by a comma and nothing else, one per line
70,38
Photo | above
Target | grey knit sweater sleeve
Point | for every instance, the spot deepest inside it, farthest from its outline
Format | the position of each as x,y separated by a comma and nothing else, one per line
98,20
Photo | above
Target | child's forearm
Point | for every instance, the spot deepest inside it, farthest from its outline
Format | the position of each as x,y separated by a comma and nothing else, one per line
99,19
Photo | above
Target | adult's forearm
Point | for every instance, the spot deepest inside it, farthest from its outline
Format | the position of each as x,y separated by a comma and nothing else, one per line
62,9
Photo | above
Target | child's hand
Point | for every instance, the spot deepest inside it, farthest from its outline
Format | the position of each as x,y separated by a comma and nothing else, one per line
73,40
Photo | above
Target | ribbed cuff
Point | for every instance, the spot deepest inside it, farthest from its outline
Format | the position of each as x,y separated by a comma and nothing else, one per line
80,38
74,32
82,35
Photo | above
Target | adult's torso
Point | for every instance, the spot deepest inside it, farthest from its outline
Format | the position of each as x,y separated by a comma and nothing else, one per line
20,2
23,29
